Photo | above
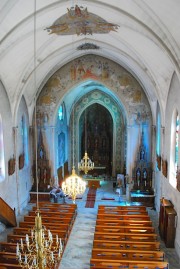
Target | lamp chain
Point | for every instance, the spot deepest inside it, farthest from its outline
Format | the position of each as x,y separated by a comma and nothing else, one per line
38,250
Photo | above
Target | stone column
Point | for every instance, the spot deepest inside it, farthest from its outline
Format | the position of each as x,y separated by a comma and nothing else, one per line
128,158
153,153
53,154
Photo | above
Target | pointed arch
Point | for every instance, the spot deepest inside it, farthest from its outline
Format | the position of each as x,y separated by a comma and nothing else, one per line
2,163
174,148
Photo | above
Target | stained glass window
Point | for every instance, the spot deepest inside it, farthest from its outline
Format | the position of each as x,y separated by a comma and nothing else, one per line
60,113
2,164
176,141
24,134
158,141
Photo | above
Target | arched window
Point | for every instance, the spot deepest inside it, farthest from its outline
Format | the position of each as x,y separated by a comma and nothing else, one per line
2,164
61,149
61,112
177,142
24,134
174,148
158,136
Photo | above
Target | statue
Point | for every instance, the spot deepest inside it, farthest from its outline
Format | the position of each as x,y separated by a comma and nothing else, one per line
142,153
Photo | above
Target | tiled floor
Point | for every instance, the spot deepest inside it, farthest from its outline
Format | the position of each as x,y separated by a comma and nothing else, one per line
78,249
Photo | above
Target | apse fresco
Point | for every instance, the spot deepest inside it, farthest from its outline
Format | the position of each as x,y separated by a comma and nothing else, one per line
78,21
104,72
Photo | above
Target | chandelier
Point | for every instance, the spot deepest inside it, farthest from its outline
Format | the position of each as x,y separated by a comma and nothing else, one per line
73,185
40,250
85,164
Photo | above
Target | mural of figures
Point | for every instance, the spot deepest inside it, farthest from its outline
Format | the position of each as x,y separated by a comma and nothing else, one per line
79,21
107,73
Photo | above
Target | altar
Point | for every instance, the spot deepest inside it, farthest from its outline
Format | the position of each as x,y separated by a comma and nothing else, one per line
145,198
97,171
94,182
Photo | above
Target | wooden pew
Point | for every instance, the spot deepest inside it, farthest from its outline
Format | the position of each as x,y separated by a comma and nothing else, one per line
125,236
127,207
114,222
116,254
8,247
24,231
49,204
30,224
123,217
59,225
56,209
128,264
61,215
16,238
54,220
125,229
126,245
52,214
8,257
10,266
123,212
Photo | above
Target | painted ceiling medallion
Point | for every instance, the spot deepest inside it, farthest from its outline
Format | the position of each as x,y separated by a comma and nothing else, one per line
80,22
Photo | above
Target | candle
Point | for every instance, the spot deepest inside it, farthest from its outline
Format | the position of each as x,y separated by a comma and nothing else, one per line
60,244
27,238
17,249
52,256
21,243
59,253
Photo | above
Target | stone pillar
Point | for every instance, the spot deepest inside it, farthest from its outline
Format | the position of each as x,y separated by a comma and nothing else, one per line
129,157
128,192
153,153
53,153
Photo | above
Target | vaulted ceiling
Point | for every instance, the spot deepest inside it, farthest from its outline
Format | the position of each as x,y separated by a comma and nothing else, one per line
147,43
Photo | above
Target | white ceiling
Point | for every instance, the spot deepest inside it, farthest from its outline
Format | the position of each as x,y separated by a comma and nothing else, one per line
147,43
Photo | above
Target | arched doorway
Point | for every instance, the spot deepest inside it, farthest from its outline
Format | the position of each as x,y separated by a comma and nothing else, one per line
96,137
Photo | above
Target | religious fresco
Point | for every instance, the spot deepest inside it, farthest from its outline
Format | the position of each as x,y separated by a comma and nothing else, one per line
103,71
79,21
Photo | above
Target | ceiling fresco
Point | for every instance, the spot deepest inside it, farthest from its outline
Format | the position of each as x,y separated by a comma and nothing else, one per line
104,72
78,21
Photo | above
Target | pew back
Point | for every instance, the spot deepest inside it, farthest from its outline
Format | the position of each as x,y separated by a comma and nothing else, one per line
126,245
128,264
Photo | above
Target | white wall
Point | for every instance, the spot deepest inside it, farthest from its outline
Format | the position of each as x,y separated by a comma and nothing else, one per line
168,191
24,175
8,190
14,189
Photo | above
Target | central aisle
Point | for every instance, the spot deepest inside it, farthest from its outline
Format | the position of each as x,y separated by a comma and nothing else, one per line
79,246
78,249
